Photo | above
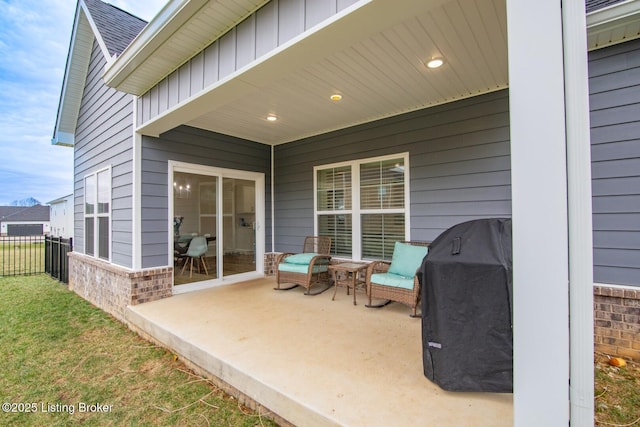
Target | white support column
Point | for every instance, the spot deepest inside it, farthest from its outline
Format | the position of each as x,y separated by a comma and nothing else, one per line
580,212
539,210
136,204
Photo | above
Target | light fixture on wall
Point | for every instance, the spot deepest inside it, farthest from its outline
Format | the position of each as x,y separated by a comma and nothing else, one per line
272,118
336,97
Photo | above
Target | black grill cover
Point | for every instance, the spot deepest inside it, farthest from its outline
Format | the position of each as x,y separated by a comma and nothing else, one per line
466,308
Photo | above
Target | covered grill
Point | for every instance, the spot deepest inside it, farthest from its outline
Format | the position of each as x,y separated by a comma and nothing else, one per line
466,308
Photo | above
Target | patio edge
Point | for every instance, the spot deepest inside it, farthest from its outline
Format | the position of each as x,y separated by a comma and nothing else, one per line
272,404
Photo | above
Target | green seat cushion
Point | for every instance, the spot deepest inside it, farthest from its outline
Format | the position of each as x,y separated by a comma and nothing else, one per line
406,259
301,268
393,280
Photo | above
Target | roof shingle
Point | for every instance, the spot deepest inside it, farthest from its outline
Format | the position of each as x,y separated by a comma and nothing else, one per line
22,213
117,27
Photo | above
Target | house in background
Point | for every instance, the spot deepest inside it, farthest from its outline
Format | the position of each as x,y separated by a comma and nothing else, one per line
61,215
256,123
24,220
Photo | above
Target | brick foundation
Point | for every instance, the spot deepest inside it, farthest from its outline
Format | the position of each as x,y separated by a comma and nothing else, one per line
112,288
270,263
617,321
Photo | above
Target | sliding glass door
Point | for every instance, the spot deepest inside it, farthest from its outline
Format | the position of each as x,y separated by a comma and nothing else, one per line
216,215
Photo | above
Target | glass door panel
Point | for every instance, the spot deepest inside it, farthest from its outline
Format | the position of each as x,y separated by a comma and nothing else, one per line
239,226
195,225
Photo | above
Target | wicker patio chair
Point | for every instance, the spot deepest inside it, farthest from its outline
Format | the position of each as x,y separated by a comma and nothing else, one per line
397,280
307,268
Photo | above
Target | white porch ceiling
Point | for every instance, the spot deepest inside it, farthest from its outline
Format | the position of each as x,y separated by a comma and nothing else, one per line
373,56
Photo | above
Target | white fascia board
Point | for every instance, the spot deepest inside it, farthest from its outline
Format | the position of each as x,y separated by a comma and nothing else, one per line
172,16
61,137
68,106
96,33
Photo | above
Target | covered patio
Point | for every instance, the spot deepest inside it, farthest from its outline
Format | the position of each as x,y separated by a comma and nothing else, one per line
311,360
372,56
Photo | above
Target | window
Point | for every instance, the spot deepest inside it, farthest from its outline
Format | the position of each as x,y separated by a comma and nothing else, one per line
361,205
97,210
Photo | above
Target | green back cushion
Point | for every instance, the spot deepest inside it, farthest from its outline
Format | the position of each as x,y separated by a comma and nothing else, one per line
406,259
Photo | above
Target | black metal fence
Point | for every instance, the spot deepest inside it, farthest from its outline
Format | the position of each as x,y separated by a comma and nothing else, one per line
56,262
26,255
21,255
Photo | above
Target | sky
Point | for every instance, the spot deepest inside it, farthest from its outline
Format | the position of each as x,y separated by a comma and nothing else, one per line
34,42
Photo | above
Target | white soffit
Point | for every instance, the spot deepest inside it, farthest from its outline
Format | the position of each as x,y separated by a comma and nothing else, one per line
614,24
179,31
373,54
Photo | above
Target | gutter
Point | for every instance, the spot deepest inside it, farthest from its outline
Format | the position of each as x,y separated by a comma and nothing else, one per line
626,10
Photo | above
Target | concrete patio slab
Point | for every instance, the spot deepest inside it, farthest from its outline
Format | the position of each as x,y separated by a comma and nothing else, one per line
314,361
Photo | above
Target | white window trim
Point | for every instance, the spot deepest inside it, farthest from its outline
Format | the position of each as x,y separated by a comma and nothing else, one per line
96,215
355,211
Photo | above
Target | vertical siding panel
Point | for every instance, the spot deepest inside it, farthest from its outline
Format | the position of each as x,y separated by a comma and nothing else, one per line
146,107
318,11
184,85
246,42
291,19
197,74
211,64
163,96
343,4
174,97
227,61
154,101
267,28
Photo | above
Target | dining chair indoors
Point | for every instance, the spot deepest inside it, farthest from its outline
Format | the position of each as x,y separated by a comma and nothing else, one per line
197,249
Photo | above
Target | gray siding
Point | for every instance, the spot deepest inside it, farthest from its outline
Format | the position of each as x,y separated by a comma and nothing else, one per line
104,138
270,27
459,166
191,145
614,85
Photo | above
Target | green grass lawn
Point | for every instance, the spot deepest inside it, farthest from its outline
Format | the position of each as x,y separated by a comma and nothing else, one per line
18,257
69,363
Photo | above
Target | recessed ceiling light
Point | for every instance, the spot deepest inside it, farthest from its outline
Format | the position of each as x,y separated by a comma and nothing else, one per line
435,63
271,118
336,97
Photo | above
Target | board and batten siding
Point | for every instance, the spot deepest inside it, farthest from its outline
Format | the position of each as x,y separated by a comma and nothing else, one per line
190,145
260,33
459,158
104,138
614,97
